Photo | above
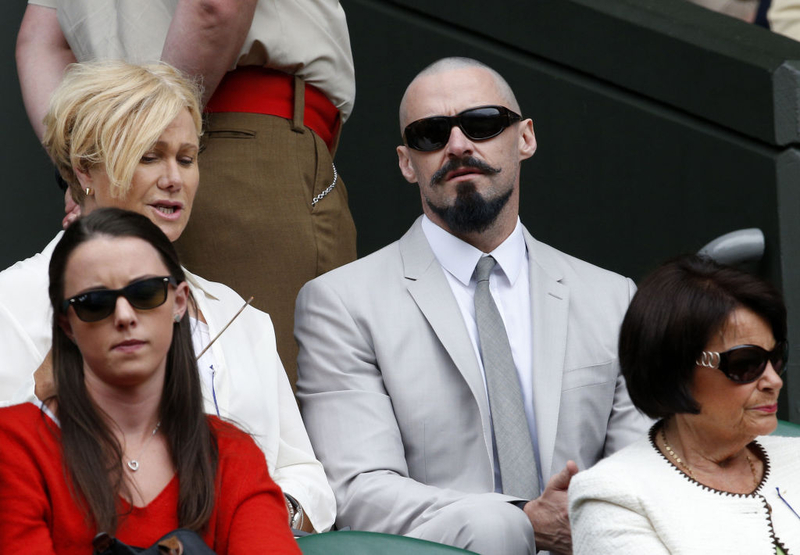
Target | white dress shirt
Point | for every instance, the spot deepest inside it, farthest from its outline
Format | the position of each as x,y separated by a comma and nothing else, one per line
509,285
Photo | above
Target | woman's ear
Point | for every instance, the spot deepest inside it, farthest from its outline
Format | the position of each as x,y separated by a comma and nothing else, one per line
181,301
84,177
63,323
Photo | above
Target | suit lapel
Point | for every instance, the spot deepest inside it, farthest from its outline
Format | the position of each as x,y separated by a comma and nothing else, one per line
549,312
431,292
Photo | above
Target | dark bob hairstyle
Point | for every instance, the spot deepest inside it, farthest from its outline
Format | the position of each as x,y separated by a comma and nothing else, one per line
670,321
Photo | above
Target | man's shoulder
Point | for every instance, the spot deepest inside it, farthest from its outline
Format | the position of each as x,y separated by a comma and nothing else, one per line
587,284
569,268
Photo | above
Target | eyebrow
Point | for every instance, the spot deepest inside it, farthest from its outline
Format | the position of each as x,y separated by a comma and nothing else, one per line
183,146
105,288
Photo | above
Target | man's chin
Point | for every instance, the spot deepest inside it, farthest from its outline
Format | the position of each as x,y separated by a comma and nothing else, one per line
471,213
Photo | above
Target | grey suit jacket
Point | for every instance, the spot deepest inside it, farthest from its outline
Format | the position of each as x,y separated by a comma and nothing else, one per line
393,397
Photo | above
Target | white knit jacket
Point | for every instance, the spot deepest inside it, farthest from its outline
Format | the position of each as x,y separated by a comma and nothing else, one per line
637,501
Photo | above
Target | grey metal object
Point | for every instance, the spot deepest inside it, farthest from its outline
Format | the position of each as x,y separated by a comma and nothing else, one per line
737,247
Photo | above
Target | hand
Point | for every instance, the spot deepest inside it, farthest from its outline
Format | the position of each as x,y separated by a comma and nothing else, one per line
549,513
72,210
44,386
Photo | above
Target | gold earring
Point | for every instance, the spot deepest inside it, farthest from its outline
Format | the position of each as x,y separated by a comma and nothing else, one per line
89,191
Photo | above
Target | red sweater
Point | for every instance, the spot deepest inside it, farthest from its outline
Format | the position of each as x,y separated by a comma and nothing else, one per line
38,515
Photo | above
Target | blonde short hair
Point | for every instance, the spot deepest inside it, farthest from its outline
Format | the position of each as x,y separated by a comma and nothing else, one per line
111,113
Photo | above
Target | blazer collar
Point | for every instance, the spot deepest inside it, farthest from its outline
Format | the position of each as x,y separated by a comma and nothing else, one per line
428,286
550,312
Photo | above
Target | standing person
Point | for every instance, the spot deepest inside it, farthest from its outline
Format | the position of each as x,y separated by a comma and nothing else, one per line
123,446
279,82
452,411
128,136
702,348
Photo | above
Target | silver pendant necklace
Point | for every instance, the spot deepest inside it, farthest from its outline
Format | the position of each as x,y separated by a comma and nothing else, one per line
133,464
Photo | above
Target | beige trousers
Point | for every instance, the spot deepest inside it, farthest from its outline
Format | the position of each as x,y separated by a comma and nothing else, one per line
253,226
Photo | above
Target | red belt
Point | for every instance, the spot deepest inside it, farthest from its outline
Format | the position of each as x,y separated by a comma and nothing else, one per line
257,90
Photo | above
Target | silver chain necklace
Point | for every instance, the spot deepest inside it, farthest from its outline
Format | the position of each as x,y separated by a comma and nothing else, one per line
133,464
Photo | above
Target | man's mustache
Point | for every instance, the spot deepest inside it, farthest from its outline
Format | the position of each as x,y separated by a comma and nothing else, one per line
458,163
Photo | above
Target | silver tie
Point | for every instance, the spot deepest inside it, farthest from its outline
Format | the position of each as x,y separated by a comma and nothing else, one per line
511,434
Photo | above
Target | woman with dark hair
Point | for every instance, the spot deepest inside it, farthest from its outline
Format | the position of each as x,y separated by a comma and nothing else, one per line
702,348
123,446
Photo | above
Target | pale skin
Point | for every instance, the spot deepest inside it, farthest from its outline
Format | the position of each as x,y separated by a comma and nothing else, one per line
125,354
715,442
448,93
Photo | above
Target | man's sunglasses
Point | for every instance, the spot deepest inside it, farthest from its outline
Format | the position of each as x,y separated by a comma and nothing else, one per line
144,294
746,363
478,124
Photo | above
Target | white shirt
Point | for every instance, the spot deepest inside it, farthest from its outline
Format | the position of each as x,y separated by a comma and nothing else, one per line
509,285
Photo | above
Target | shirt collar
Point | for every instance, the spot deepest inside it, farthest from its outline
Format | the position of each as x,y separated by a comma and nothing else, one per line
197,283
460,258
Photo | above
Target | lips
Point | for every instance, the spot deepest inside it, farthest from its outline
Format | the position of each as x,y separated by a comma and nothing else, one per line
129,345
769,409
169,210
462,172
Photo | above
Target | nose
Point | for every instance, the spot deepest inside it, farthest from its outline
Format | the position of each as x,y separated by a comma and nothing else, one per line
171,178
124,314
458,145
770,378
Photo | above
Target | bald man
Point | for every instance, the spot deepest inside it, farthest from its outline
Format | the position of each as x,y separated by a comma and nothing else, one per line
397,376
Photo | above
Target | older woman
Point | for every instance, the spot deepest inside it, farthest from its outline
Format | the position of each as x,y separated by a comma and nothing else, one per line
122,446
128,136
702,348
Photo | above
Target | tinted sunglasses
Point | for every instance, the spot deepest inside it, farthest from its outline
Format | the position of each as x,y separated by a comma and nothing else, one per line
478,124
144,294
746,363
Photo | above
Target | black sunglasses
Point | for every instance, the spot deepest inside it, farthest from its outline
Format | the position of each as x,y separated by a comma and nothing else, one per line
478,124
746,363
144,294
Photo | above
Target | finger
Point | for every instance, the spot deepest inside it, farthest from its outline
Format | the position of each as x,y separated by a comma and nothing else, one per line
68,220
572,468
561,480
